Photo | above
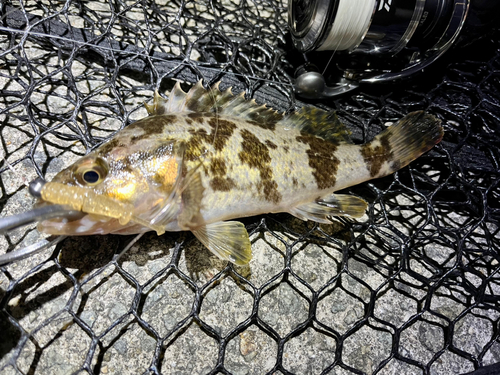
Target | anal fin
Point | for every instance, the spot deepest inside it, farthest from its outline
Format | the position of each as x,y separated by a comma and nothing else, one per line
323,209
226,239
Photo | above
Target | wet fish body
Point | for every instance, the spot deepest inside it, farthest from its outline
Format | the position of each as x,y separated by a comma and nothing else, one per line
249,170
204,157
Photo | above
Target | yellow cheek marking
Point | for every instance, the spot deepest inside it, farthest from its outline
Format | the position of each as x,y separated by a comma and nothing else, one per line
122,191
167,172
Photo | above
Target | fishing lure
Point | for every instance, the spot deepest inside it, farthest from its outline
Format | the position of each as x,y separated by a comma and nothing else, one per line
205,157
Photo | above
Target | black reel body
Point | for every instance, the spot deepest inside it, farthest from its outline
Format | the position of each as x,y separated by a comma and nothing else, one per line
377,41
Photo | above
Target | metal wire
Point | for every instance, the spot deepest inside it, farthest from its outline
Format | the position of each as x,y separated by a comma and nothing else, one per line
410,288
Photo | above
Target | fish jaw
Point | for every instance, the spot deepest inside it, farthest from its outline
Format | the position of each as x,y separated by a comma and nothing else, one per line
88,224
102,214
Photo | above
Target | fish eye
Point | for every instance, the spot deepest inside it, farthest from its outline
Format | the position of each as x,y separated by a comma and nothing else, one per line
91,171
91,176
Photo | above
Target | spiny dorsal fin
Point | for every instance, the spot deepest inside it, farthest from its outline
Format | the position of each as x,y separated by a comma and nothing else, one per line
315,121
199,99
310,120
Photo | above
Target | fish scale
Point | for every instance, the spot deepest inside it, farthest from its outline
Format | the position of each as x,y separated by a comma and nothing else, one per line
205,157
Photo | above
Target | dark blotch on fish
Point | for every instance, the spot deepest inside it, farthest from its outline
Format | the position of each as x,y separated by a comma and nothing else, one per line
136,138
195,144
219,182
322,160
222,131
197,117
256,155
153,125
375,157
264,118
218,167
107,147
222,184
270,190
271,145
264,125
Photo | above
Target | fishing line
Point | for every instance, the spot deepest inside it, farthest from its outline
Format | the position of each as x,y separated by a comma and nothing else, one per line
129,245
349,27
11,168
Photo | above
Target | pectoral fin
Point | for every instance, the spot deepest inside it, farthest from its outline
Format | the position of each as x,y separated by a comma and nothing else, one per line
185,198
192,195
165,213
226,239
322,210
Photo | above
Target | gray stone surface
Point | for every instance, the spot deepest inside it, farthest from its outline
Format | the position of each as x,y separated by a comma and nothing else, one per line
252,352
226,305
366,348
283,308
309,353
193,352
421,341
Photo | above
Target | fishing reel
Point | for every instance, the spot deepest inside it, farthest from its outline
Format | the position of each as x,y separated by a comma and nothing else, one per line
374,41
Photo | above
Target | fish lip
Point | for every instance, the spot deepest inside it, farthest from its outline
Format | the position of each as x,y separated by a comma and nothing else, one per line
38,214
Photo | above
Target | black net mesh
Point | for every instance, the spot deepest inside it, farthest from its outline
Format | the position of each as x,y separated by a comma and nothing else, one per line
411,288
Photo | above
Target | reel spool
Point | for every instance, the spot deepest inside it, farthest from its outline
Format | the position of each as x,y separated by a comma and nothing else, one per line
374,41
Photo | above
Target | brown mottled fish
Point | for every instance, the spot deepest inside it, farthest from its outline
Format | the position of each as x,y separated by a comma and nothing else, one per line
205,157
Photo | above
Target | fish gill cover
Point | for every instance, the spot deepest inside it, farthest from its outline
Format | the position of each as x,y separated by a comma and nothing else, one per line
411,288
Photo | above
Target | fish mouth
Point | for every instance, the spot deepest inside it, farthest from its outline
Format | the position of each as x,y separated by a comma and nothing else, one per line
86,224
72,210
43,211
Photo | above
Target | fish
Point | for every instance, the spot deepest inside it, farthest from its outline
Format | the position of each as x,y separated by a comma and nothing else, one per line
205,157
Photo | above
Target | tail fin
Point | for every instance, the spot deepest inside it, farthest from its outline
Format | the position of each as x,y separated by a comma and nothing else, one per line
403,142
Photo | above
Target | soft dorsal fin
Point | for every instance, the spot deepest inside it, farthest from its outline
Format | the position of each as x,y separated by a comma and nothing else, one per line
315,121
199,99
